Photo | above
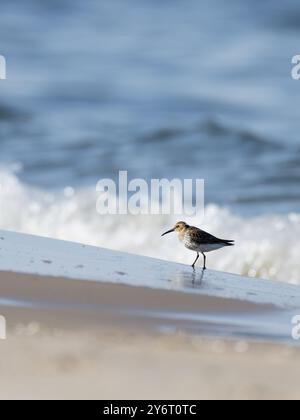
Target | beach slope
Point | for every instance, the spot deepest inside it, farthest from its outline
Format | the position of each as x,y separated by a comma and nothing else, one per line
47,280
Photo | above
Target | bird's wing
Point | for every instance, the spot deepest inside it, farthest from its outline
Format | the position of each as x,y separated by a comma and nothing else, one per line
205,237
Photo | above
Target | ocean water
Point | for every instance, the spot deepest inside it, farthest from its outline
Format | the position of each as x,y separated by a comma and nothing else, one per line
197,90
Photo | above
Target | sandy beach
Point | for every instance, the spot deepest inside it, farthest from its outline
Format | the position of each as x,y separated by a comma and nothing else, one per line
129,364
83,322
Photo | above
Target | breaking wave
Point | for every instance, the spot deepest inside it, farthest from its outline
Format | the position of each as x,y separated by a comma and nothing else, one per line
266,246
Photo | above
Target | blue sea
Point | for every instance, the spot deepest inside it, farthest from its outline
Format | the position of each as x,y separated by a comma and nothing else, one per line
161,89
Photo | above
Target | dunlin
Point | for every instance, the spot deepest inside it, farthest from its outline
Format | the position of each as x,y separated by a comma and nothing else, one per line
197,240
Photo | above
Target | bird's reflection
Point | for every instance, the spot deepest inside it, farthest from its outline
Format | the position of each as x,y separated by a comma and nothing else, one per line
189,278
197,278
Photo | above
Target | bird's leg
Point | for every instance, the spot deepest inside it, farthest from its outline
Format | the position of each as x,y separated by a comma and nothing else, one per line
193,265
204,256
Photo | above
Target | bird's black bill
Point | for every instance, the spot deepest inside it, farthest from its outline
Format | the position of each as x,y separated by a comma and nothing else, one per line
169,231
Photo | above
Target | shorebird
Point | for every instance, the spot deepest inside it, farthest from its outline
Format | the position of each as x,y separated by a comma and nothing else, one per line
197,240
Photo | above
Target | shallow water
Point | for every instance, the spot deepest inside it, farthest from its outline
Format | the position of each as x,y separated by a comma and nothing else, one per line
160,90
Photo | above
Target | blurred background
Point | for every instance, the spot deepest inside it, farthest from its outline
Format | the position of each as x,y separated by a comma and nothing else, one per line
161,89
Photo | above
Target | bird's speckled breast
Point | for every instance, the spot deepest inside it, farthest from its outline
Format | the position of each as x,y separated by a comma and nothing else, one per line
185,238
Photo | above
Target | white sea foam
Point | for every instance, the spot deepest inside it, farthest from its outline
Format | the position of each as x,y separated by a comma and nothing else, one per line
267,246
